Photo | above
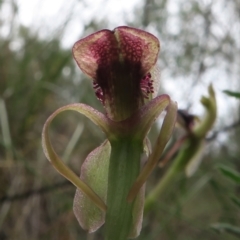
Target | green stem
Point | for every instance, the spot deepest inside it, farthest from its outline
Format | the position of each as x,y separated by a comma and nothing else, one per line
123,171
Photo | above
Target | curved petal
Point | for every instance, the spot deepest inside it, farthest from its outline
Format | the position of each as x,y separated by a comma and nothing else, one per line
138,213
164,136
139,124
99,119
94,172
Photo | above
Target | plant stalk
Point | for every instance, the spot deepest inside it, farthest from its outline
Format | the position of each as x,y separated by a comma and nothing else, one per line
178,165
123,171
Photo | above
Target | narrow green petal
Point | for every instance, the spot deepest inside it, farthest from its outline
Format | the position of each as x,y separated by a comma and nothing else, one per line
164,136
138,213
56,161
141,122
94,172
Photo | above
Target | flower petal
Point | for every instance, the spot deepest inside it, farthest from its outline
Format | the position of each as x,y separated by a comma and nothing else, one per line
98,50
155,73
164,136
138,46
117,61
94,172
138,213
124,44
99,119
140,122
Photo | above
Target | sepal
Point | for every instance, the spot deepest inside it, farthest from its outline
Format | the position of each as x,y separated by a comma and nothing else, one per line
99,119
94,172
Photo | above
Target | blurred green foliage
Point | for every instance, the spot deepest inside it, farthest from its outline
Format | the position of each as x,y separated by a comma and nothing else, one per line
38,75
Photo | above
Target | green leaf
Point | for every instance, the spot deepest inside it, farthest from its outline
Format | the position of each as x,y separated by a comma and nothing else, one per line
232,94
230,173
94,172
226,227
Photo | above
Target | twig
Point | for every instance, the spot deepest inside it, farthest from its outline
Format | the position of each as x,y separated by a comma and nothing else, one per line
224,129
31,193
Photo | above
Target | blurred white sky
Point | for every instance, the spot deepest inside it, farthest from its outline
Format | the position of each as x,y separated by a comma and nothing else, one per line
47,14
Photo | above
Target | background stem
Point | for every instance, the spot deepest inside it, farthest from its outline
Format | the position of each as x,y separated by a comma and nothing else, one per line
179,163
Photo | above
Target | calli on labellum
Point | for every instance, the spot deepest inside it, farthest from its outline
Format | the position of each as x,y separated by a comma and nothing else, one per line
122,64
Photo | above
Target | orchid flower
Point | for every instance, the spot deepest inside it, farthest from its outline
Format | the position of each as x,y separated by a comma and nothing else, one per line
122,64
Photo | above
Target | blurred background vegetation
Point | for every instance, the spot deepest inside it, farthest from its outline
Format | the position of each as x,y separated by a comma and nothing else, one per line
200,44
